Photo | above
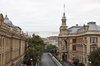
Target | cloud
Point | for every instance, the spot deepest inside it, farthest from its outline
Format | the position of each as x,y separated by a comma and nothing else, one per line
45,15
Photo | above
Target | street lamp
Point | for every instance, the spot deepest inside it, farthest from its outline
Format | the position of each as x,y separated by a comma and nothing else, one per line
31,59
89,62
31,62
73,59
38,60
66,55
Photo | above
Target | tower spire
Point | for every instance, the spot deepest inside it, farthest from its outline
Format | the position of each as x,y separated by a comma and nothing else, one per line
63,28
64,17
64,8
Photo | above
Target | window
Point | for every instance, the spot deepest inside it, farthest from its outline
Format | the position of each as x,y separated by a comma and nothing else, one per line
93,48
74,47
64,31
74,40
93,40
82,58
63,48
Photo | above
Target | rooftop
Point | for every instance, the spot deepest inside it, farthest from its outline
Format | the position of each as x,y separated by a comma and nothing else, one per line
10,24
91,26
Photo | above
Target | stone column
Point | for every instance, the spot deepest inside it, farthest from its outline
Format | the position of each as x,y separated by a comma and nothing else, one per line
88,45
61,56
98,42
60,47
83,48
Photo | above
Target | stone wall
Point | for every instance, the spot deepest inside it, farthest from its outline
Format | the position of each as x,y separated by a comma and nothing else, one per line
12,45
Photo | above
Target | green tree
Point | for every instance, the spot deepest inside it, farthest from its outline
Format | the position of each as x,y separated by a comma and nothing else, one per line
35,49
94,57
29,55
51,48
76,61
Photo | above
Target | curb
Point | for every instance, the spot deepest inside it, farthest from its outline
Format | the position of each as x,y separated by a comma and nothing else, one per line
55,60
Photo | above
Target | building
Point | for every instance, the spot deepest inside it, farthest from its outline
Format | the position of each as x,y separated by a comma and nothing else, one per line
13,43
46,42
78,41
50,40
53,40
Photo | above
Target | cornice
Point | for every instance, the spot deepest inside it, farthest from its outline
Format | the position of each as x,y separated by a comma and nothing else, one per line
89,33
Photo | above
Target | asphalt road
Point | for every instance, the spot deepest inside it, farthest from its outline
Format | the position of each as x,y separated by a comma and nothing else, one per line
46,60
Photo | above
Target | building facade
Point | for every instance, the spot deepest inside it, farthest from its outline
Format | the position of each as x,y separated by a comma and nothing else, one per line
13,43
78,41
53,40
50,40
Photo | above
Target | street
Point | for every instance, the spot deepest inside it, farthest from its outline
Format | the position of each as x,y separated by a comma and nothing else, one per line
47,60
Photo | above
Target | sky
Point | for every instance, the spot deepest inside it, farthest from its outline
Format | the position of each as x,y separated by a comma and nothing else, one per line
44,16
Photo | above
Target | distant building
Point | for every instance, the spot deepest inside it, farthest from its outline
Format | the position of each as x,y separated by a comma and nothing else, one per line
78,41
13,43
46,43
51,40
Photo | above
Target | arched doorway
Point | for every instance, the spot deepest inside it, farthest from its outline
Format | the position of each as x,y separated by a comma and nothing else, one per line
65,52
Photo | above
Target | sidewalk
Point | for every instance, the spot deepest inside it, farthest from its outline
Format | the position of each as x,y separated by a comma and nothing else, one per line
69,64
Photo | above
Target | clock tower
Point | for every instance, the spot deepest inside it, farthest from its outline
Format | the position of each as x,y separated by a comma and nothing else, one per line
63,27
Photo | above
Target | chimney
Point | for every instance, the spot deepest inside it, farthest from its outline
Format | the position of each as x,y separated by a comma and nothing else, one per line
85,28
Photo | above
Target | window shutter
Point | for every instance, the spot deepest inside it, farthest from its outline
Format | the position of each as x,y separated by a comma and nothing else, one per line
73,40
96,40
90,39
90,48
81,40
75,47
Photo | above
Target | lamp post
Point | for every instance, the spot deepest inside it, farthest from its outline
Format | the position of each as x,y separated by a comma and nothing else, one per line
89,62
57,51
38,60
31,62
65,56
73,59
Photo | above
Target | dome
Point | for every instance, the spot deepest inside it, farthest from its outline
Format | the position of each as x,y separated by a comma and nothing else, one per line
7,21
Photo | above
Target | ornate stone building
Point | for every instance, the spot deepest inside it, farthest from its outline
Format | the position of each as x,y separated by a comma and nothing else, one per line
78,41
13,43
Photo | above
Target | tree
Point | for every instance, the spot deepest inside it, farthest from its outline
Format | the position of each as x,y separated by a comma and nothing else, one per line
76,61
35,49
29,55
51,48
94,57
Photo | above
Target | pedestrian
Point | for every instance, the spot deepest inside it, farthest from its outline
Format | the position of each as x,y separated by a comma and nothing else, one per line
68,64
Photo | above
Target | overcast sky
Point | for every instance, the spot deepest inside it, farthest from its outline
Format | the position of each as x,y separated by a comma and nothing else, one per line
45,15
